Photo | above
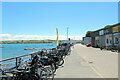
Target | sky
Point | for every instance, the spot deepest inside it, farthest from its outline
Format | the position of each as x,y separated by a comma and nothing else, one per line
60,0
39,20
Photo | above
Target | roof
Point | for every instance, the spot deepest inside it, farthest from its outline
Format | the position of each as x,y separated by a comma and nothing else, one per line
107,27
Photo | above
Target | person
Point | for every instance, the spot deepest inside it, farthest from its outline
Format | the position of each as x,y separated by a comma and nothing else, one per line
73,45
101,48
118,50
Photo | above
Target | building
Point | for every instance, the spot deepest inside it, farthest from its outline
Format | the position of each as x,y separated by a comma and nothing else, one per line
107,37
116,36
94,40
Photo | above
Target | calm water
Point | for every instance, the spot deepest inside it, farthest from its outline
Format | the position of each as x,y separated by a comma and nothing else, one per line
13,50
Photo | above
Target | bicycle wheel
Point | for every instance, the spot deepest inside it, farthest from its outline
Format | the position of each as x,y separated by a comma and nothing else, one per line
4,79
35,77
28,76
61,62
54,67
7,78
43,74
47,74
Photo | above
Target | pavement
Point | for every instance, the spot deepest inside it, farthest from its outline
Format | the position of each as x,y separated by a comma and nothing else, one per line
88,62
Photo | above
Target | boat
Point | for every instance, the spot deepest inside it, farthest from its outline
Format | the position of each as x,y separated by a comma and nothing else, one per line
30,49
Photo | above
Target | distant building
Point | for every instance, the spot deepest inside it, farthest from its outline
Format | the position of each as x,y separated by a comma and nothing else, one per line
94,40
86,40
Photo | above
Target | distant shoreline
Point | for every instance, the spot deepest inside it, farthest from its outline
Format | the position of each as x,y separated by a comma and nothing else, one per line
31,41
27,41
23,43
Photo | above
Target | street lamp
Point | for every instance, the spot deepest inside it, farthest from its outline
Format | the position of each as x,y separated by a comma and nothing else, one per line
67,32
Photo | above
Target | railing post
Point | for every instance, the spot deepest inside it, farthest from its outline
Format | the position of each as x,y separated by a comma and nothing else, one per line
16,62
31,56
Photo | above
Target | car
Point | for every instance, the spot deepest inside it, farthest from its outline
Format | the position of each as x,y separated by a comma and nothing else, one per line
88,45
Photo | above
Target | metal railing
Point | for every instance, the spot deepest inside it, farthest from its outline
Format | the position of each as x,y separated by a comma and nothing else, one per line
14,61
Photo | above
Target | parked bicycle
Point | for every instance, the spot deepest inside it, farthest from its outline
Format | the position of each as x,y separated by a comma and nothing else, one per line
41,66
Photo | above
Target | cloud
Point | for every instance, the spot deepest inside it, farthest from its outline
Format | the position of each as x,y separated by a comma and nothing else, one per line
4,37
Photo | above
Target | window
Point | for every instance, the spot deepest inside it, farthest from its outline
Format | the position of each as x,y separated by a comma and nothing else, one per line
107,41
110,42
116,40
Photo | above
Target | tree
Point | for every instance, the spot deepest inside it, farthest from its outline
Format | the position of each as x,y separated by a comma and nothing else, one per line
107,26
88,33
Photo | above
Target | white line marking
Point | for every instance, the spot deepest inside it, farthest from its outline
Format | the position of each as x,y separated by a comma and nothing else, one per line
95,70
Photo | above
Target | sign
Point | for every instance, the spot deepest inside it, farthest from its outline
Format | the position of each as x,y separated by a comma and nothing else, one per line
116,29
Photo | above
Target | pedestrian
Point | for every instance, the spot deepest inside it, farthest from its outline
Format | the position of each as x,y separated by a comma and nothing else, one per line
73,45
101,48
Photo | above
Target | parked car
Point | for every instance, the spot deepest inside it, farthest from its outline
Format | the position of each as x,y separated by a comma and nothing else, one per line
88,45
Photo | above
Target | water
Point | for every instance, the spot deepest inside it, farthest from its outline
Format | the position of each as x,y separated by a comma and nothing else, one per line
13,50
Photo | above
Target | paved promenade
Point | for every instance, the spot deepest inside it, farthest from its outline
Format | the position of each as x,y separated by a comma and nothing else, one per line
88,62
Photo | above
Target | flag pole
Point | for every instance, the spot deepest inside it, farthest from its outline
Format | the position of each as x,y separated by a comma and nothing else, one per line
57,37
